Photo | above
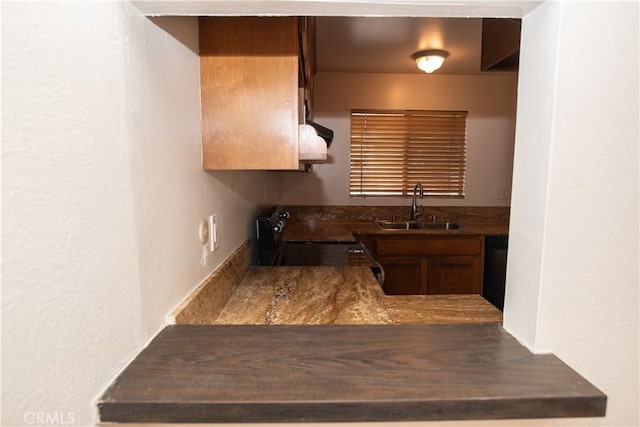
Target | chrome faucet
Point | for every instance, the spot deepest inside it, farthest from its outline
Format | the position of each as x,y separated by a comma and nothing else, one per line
417,190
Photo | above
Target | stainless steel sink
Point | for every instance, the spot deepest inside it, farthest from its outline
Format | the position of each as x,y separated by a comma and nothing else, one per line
413,225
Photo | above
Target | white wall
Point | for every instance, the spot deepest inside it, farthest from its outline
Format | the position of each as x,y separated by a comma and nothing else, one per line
490,100
572,284
102,194
538,57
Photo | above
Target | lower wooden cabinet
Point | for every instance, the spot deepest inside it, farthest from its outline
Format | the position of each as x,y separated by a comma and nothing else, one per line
404,276
424,265
454,275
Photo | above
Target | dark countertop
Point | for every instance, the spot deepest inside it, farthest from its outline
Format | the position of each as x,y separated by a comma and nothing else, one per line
332,373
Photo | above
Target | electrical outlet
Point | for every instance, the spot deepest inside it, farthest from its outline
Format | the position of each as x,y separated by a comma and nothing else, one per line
214,232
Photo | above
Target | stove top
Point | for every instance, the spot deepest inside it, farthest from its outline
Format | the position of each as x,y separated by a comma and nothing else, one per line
274,251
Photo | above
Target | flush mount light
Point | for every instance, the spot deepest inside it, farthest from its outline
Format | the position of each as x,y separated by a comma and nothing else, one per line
429,60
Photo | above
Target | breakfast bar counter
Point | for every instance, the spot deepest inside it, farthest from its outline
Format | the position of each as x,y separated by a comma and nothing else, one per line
338,373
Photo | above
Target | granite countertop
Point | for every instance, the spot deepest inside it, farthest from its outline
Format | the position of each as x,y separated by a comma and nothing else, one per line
240,294
344,231
341,295
340,223
305,295
433,309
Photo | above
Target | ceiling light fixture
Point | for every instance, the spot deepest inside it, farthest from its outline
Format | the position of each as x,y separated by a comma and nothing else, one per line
429,60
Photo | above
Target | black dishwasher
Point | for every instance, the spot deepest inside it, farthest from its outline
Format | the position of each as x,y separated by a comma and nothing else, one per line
495,269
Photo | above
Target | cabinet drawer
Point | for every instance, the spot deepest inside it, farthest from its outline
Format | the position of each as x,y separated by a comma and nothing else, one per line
430,246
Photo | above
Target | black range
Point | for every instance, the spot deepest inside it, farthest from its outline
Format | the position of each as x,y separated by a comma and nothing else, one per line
273,250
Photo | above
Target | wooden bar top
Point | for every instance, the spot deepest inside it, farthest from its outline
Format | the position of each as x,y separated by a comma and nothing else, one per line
331,373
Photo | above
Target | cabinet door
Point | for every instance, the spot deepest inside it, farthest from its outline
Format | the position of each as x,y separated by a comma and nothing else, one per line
249,92
404,276
454,275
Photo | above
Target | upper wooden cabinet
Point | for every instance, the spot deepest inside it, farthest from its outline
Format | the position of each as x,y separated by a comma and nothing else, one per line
500,44
307,57
250,97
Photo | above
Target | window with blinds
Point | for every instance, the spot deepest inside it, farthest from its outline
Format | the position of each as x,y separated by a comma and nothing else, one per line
391,151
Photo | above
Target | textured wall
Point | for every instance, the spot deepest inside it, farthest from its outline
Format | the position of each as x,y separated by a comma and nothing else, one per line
572,283
102,196
590,281
534,128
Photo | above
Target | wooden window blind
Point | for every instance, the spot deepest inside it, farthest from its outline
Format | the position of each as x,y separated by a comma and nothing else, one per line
393,150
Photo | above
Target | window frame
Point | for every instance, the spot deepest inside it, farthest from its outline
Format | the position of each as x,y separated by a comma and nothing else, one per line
426,146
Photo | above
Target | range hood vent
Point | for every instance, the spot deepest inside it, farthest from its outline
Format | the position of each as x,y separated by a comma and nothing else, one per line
323,132
313,141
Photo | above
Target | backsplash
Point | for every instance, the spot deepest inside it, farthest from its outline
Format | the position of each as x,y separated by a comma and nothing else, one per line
204,304
371,213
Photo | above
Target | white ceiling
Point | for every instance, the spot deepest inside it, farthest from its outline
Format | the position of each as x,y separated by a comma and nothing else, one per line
385,45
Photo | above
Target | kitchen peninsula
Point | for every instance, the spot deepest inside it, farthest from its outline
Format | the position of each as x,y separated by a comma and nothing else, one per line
324,344
337,295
